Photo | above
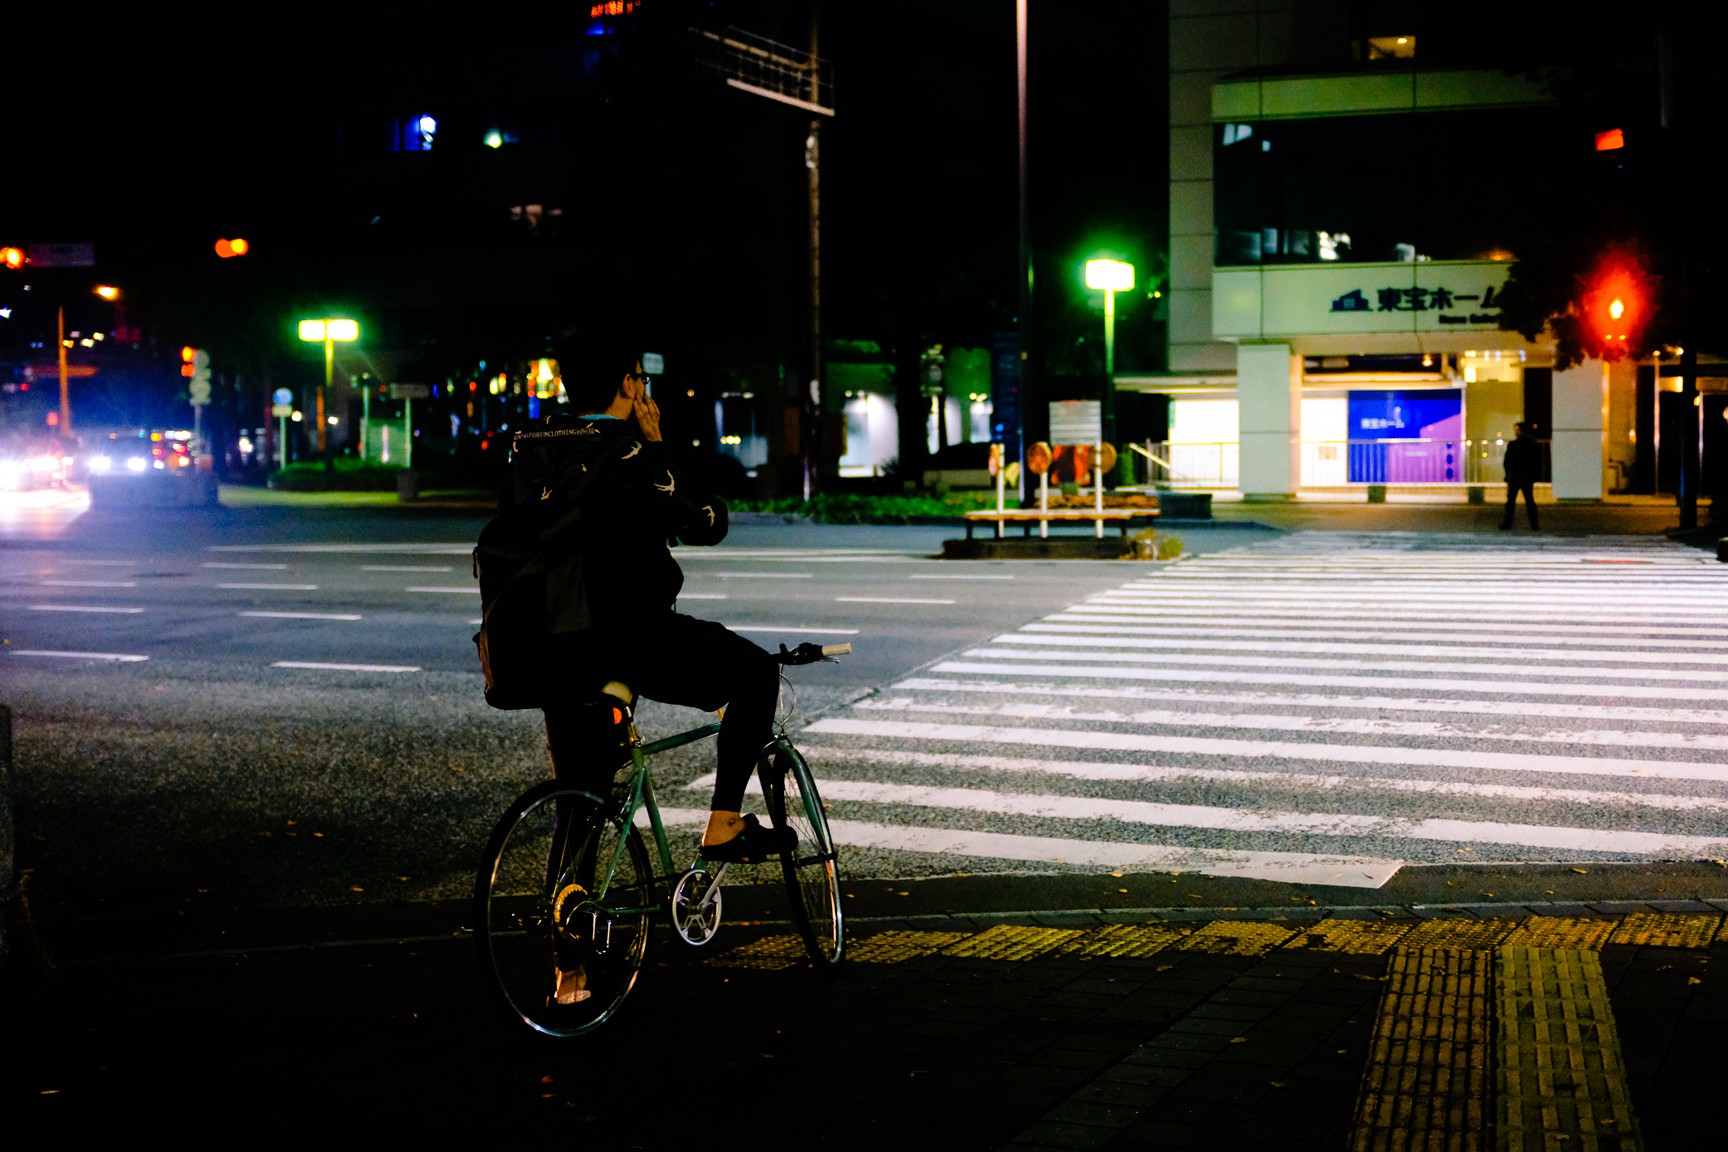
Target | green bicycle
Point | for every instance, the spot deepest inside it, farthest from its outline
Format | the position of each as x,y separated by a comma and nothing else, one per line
567,894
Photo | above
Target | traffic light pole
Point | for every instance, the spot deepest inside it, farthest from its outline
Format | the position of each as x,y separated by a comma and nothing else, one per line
1692,432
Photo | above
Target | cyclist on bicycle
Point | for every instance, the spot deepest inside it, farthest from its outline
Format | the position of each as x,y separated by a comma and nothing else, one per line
638,505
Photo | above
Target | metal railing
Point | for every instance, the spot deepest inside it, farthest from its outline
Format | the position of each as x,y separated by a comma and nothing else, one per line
1334,463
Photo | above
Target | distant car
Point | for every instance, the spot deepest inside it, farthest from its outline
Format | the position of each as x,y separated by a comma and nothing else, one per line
147,468
28,464
145,453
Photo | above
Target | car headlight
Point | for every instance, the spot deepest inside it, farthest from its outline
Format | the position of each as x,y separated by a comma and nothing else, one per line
100,463
135,464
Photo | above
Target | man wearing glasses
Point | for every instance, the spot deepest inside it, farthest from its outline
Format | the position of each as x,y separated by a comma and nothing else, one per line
637,505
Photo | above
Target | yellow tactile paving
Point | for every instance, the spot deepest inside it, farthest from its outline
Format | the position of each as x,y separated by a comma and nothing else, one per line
1125,940
1560,1078
1358,937
1426,1082
770,952
1667,929
1237,938
893,947
1458,933
1012,942
1560,932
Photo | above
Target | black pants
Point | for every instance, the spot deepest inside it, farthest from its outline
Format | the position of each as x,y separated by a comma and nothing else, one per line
677,660
1516,483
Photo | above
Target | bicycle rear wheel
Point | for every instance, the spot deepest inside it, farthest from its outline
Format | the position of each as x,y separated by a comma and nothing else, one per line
812,867
564,904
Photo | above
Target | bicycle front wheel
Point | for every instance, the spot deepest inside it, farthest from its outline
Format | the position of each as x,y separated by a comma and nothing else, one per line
812,866
564,904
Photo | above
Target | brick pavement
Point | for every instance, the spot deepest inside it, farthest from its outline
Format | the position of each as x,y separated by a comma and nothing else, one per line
1204,1029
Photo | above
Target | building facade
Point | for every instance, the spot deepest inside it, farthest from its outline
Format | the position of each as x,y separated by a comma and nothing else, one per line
1343,211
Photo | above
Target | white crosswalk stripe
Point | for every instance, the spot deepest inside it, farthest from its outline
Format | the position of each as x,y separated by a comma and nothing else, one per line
1320,708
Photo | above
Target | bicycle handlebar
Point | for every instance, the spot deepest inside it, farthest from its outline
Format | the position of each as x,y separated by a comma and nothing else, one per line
811,653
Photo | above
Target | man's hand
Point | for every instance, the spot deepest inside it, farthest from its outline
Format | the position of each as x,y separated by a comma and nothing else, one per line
647,412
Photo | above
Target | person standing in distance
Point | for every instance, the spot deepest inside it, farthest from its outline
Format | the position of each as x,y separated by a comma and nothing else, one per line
1522,462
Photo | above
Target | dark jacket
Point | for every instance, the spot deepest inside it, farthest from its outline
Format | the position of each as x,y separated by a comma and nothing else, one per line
1523,457
632,514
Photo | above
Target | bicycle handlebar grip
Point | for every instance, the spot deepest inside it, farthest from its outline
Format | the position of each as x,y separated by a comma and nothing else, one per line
836,649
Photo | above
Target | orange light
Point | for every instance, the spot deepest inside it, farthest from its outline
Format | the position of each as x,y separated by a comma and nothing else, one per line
235,247
12,257
1610,140
1616,305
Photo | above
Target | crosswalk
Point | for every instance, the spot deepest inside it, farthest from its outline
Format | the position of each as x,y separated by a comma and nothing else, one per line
1319,709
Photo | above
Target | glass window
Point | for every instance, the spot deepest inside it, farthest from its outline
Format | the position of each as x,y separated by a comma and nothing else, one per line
1439,186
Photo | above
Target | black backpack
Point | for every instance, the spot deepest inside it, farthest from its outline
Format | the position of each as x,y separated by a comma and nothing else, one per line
529,564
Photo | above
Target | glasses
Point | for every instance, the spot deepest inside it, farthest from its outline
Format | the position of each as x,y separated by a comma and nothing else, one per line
647,380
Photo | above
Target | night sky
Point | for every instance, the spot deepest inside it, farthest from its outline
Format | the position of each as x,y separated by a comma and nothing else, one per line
152,134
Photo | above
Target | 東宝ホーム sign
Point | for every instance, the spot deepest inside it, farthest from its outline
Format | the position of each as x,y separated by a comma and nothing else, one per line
1420,299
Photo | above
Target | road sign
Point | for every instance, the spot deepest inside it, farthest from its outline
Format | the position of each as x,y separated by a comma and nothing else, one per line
282,410
410,391
52,371
60,255
1075,422
282,396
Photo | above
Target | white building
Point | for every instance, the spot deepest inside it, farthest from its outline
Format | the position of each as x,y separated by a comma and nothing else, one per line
1340,210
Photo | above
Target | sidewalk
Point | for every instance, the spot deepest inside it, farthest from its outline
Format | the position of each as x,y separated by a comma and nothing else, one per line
1565,1023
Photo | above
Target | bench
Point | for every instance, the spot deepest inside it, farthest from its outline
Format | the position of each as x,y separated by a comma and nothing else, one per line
1026,517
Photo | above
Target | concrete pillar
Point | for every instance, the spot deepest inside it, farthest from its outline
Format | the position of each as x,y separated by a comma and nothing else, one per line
1580,415
1269,402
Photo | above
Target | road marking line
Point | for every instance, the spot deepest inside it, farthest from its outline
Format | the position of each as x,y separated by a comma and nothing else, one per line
1284,867
701,595
270,587
1278,722
319,667
1039,634
90,583
304,615
1146,773
1373,754
112,656
1522,709
958,576
1667,623
1078,621
99,563
1315,680
405,568
81,608
886,600
761,575
472,591
1212,818
326,549
258,567
818,631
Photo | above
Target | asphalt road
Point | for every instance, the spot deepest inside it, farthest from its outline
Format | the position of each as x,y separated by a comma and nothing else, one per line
279,707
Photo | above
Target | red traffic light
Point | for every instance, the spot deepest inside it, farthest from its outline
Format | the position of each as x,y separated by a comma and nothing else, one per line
1616,305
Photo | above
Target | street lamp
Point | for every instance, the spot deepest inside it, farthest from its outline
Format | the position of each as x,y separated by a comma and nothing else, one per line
1111,276
328,330
107,292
